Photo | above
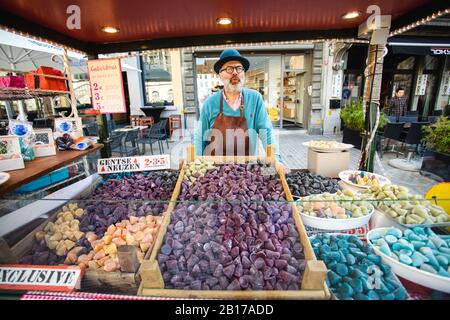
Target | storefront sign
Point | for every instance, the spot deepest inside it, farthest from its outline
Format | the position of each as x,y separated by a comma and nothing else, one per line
34,277
105,77
421,84
440,51
133,164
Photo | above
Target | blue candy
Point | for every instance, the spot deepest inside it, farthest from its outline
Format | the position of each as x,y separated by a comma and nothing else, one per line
373,295
374,258
443,272
357,285
407,252
418,244
390,239
428,268
394,232
345,291
400,293
332,264
351,260
418,259
385,249
443,261
405,259
361,296
341,269
342,243
389,296
334,278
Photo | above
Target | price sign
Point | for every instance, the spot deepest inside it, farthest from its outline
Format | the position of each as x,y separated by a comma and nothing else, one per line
133,164
105,78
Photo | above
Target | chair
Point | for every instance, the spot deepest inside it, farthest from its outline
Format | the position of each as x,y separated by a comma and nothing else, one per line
437,113
408,119
164,131
391,131
91,129
432,119
135,120
414,137
392,118
111,126
117,144
151,135
131,137
147,121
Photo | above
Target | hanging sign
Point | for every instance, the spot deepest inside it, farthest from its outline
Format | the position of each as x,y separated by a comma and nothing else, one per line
421,84
337,85
133,164
35,277
105,78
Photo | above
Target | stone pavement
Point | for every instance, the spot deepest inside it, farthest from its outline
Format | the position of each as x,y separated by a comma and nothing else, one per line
294,155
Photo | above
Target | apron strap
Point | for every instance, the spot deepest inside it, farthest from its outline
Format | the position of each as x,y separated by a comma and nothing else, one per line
242,105
221,103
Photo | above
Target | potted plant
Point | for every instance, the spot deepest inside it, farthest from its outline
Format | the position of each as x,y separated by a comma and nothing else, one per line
353,117
437,140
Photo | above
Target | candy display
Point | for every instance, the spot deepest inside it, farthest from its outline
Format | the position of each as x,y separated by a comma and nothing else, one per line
364,179
325,144
140,232
245,245
197,168
342,205
152,192
355,272
405,208
304,184
418,247
58,239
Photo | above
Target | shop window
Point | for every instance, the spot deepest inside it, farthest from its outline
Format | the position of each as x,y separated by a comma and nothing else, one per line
157,76
431,63
407,64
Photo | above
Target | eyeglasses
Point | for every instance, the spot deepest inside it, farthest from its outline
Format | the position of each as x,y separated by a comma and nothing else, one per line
230,69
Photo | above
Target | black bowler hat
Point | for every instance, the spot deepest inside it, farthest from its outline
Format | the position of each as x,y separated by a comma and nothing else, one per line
230,55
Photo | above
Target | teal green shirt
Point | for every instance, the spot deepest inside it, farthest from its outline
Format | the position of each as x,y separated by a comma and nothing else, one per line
256,118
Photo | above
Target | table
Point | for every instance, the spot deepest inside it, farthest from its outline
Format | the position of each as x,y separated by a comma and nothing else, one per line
42,166
126,129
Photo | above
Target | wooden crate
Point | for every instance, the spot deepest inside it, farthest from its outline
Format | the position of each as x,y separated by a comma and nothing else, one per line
313,285
93,280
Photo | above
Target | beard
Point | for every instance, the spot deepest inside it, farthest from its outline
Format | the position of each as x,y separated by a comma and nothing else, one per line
229,87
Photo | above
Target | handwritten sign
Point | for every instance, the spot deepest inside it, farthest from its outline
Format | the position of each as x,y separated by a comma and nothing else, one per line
35,277
133,164
105,77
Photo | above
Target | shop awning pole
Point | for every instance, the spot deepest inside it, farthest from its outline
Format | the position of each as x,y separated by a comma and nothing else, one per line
68,72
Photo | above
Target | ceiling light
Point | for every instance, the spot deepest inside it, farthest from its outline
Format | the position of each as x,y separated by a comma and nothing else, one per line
351,15
224,21
110,29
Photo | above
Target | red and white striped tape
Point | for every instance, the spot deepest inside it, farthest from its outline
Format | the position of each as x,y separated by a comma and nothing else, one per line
46,295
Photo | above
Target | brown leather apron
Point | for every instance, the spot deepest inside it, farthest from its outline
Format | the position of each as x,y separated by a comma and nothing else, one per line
223,123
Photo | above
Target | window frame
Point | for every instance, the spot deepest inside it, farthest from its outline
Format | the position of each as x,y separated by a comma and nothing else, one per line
144,89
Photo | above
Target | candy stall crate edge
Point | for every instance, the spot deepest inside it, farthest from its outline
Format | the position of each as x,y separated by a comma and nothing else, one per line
313,284
93,280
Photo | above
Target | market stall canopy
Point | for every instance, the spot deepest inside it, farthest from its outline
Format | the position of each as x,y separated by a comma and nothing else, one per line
25,54
156,24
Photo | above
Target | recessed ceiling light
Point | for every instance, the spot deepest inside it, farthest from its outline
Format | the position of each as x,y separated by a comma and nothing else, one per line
110,29
351,15
224,21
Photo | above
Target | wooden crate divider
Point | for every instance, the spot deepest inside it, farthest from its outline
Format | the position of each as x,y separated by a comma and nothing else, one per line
313,285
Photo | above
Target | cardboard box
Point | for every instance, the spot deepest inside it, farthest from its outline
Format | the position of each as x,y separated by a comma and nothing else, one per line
328,164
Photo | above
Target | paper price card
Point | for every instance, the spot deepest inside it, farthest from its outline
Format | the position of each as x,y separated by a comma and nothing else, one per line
105,78
133,164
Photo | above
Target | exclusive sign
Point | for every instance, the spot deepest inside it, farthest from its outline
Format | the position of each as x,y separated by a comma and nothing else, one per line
43,278
440,51
133,164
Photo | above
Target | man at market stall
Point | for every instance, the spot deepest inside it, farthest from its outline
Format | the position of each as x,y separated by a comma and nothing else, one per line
232,119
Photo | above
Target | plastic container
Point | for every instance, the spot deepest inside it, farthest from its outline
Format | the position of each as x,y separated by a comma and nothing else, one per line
412,274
